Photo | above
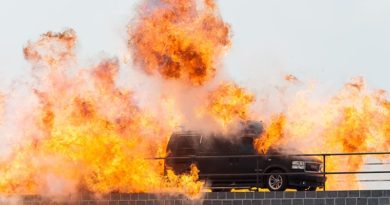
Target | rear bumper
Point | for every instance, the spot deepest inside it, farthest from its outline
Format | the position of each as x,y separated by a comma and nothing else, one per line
307,180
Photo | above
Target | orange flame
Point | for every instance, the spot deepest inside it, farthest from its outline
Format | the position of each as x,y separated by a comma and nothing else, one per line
355,120
89,134
273,135
291,78
51,48
179,39
229,102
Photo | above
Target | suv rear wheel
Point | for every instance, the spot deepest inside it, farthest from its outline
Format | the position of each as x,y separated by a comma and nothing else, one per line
276,182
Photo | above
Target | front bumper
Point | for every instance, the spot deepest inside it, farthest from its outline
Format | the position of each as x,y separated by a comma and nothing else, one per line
307,180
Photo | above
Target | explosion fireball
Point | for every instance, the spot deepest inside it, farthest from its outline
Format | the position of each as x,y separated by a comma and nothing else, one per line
84,132
87,133
354,120
228,102
179,39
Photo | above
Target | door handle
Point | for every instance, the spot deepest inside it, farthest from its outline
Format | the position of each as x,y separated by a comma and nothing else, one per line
233,160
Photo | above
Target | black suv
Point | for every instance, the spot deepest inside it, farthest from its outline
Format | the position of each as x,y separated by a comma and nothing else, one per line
226,162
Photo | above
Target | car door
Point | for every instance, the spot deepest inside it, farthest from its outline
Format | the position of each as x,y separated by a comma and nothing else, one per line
184,147
248,163
212,161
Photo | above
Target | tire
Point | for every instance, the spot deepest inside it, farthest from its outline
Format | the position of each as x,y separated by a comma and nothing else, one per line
276,182
312,188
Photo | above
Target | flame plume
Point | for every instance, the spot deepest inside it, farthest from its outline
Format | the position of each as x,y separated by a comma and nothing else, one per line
81,131
88,133
273,136
354,120
229,103
52,48
179,39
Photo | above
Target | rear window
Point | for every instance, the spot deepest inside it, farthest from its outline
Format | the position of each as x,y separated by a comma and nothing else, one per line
182,145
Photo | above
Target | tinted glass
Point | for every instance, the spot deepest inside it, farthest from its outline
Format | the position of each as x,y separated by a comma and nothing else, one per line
246,145
214,145
181,145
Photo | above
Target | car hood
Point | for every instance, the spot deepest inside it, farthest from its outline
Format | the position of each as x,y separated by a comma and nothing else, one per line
284,151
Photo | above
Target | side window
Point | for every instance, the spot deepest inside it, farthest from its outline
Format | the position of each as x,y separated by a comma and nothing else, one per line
225,147
253,129
171,148
206,145
217,145
186,145
246,145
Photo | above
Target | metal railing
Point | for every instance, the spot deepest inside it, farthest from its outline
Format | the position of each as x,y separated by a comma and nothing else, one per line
259,172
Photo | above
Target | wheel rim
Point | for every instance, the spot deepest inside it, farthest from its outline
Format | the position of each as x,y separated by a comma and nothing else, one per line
275,182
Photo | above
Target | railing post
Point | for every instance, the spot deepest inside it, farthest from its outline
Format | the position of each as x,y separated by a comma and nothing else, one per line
324,160
257,173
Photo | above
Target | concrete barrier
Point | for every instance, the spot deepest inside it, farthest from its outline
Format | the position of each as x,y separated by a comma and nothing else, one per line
363,197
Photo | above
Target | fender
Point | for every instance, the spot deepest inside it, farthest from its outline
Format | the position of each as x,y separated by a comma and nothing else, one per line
268,169
275,166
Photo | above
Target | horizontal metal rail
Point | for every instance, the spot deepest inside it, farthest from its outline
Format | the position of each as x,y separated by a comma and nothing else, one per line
258,173
271,155
373,180
294,173
377,163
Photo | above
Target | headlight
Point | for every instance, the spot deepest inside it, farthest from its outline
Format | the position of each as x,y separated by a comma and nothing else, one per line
298,165
321,168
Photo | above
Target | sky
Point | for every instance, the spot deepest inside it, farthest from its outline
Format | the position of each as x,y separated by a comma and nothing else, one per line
326,41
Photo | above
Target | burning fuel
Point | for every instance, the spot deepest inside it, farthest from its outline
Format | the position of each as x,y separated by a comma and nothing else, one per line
228,102
354,120
179,39
79,130
85,132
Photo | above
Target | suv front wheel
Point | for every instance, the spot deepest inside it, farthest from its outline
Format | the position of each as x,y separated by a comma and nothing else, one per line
276,182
